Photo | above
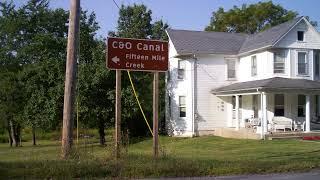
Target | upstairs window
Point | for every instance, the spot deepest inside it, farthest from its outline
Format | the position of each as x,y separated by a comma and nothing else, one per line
278,105
279,62
301,105
302,63
231,68
182,106
300,35
253,65
181,69
317,64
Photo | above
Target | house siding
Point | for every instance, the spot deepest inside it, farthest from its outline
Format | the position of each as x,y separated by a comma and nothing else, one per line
311,38
211,110
207,112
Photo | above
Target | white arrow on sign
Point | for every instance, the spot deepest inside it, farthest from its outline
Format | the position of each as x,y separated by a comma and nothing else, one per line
115,59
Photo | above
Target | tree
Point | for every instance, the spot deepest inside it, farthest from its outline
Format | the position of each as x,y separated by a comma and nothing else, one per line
249,19
32,62
136,22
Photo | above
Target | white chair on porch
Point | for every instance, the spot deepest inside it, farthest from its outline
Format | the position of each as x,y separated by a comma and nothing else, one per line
299,125
280,122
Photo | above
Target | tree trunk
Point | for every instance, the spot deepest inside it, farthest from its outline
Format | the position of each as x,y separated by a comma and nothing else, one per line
13,134
9,135
34,136
18,135
102,134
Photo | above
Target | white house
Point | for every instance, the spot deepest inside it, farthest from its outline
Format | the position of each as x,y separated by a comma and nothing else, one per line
267,82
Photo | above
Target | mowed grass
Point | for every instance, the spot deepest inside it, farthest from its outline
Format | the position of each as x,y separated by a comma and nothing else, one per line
202,156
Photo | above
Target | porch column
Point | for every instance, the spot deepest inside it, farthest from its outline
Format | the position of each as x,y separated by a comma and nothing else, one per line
237,112
307,113
264,122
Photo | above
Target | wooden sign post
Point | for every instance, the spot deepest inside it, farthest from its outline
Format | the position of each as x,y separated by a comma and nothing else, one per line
118,114
137,55
155,114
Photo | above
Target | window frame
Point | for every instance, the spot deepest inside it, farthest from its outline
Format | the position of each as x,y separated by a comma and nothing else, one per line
228,60
306,73
182,106
254,69
279,106
181,74
284,61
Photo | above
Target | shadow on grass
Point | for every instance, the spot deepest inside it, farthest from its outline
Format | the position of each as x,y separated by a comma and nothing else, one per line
139,166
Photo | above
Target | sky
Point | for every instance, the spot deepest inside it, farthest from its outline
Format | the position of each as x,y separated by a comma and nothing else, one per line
179,14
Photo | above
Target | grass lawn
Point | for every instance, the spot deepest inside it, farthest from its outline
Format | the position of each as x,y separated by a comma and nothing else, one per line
202,156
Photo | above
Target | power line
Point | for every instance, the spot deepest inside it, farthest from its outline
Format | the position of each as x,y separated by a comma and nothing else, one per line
115,3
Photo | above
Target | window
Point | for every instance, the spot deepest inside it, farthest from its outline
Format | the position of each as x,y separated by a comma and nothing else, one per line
302,63
278,105
279,62
181,69
253,65
317,64
300,35
301,105
231,68
182,106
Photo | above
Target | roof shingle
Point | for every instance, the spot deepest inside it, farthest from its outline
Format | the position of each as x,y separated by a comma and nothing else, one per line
202,42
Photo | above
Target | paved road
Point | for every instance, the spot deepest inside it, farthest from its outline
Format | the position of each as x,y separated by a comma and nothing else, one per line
313,175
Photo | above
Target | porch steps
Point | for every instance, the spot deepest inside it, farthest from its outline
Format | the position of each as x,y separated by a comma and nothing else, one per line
283,137
242,133
291,135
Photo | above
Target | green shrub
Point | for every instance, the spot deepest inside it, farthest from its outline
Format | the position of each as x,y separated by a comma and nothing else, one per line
3,138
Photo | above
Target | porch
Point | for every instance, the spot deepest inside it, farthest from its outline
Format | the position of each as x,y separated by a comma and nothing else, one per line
273,108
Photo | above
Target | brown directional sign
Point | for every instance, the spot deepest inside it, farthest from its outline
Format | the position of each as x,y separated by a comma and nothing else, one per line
137,54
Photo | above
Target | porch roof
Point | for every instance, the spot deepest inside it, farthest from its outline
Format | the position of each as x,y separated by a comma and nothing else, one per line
276,84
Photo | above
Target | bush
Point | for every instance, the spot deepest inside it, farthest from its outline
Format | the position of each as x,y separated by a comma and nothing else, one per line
4,138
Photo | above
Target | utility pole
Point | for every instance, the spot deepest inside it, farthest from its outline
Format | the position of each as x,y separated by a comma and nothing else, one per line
155,114
70,80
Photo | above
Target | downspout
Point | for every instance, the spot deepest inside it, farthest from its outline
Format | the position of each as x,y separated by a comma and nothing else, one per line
193,87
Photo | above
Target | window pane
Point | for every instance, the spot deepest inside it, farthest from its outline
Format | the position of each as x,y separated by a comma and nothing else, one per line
302,63
302,68
279,62
181,69
301,100
253,65
301,105
300,35
182,111
231,66
279,99
182,100
301,57
279,112
279,105
180,73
